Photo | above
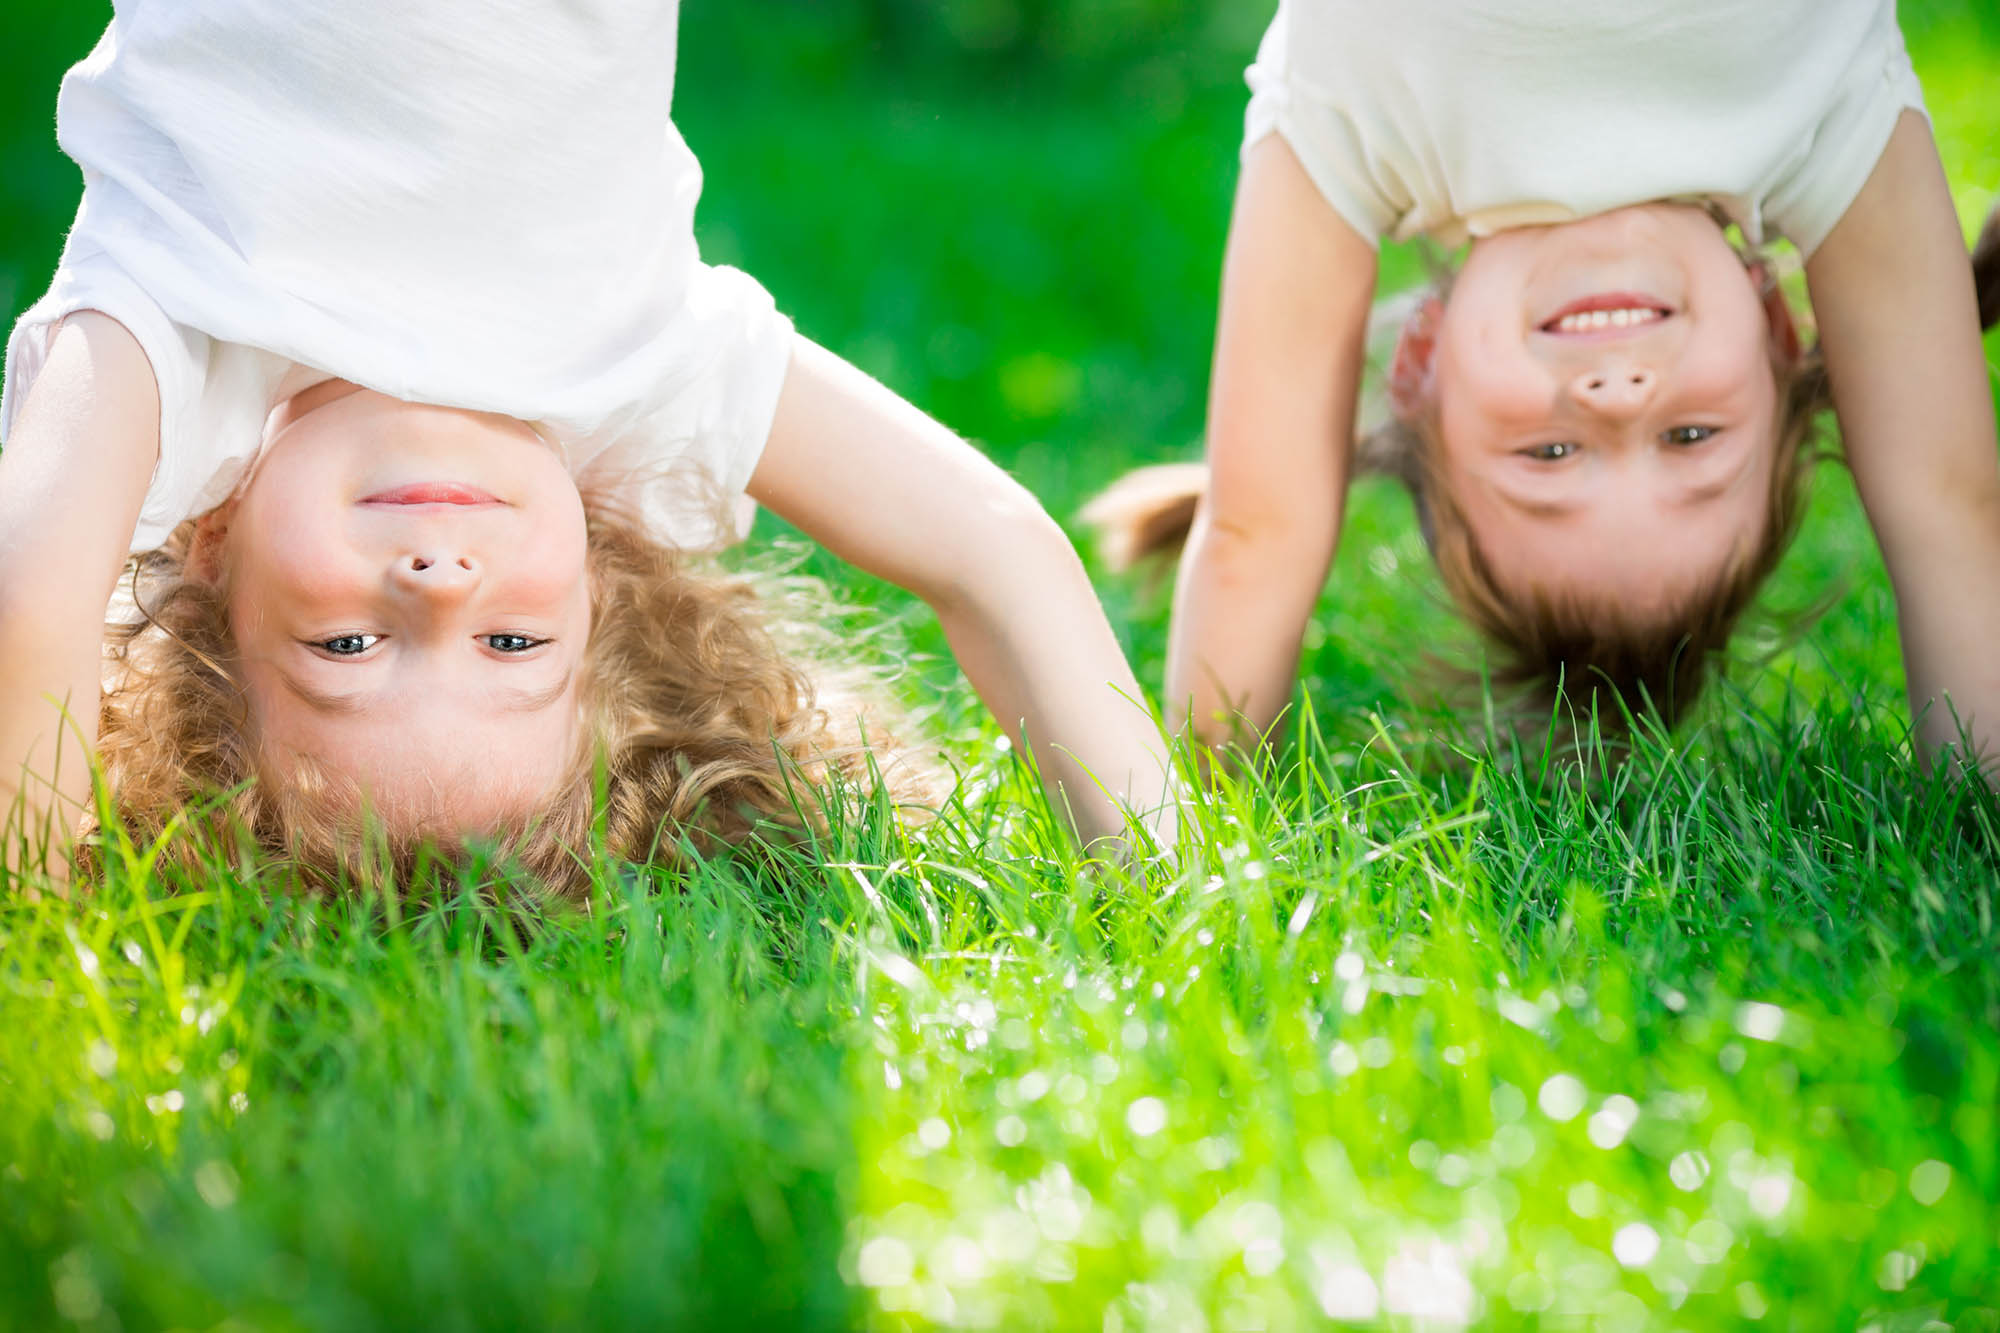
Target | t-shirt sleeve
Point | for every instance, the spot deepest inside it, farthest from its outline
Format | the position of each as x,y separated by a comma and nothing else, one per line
213,397
1810,198
740,400
1286,100
686,463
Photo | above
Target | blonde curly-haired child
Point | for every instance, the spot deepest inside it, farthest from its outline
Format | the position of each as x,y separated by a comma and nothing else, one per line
382,342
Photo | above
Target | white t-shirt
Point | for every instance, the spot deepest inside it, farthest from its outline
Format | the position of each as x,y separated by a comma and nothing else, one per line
1456,118
473,203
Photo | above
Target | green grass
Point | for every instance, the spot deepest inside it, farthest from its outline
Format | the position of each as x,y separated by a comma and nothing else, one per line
1421,1028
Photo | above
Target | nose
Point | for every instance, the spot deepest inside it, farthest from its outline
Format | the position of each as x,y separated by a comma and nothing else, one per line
435,576
1617,389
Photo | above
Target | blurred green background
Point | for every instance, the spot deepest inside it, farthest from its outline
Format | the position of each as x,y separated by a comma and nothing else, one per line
1013,212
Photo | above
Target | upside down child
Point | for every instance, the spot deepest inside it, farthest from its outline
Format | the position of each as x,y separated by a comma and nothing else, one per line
1603,415
382,342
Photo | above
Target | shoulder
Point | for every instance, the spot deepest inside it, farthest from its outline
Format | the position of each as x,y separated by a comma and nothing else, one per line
1849,93
209,398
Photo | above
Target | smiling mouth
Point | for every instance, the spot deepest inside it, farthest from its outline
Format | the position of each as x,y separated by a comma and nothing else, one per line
431,493
1607,312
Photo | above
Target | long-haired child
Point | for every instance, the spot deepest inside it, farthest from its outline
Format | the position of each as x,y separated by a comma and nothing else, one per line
1603,414
382,341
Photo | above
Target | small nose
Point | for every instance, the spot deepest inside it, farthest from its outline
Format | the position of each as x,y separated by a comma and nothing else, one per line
436,576
1618,390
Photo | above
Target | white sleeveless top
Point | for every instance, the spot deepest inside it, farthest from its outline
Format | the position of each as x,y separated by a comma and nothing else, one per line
473,203
1457,118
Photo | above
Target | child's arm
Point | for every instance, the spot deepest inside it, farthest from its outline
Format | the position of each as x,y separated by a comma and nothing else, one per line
1897,321
883,486
72,478
1296,287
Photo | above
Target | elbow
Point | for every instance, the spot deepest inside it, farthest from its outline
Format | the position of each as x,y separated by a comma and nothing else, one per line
1006,542
1240,536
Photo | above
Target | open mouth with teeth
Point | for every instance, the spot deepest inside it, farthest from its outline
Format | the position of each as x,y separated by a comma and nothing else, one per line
1602,315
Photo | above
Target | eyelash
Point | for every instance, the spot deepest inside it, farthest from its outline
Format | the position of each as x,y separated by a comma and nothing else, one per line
367,641
1674,435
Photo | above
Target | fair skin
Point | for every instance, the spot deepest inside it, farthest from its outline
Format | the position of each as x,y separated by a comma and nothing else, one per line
406,587
407,583
1899,326
890,490
1898,329
1606,405
72,479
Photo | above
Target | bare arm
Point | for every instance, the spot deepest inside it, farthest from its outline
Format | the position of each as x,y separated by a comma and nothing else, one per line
1897,321
883,486
1296,287
72,478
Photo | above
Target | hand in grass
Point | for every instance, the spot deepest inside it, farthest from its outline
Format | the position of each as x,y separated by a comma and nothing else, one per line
890,490
1296,287
72,478
1899,326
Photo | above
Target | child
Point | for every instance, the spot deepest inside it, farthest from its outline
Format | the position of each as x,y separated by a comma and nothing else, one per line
1602,417
381,336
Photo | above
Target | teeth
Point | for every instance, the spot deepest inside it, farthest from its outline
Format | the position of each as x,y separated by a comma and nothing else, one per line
1590,321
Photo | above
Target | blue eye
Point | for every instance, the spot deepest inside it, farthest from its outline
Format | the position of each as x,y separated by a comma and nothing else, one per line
1550,453
348,645
1685,435
511,643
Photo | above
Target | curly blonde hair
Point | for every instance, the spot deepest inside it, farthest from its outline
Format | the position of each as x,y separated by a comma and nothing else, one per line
698,728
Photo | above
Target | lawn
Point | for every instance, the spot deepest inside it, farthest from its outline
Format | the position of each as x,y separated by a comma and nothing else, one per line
1420,1030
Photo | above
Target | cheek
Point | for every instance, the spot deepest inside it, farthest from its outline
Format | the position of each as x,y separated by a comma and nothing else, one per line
289,555
1484,388
549,560
1729,369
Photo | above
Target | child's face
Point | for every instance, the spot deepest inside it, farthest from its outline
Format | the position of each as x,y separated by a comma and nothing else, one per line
407,591
1606,403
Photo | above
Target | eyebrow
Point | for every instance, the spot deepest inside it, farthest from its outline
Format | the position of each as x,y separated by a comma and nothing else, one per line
1708,490
534,701
1538,507
319,702
347,705
1693,495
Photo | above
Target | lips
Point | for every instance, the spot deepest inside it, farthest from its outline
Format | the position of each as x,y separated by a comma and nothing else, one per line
432,493
1606,313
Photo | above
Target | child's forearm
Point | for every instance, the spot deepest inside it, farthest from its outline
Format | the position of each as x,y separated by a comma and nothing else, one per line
1899,327
1240,612
1296,287
72,478
1036,647
1949,618
883,486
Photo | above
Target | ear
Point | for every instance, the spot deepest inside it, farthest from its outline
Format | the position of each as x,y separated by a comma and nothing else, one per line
1778,314
211,543
1410,371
